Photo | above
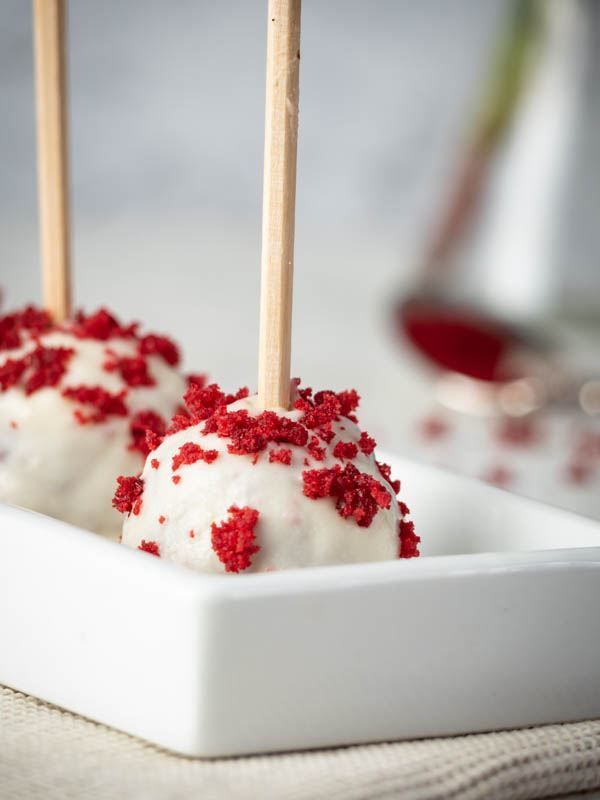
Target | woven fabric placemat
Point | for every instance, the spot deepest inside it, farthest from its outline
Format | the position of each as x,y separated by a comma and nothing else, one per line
50,754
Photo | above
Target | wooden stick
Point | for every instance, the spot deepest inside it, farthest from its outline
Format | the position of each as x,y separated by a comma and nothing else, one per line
51,91
279,203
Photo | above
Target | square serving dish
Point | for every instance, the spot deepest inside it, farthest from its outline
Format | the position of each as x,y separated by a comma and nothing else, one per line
496,626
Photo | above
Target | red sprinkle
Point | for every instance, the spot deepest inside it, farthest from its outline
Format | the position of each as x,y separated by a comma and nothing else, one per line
149,547
196,379
104,403
315,450
386,472
45,366
146,428
357,494
347,450
132,369
30,320
128,496
409,541
190,452
101,325
251,435
202,401
153,345
281,456
10,373
234,540
155,463
366,443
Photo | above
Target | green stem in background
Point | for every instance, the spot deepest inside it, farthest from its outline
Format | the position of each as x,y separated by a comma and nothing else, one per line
499,101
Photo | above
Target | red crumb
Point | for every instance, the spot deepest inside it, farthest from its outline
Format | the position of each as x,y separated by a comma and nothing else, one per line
498,476
153,345
250,435
155,463
128,496
356,494
176,478
234,540
190,452
520,431
101,325
403,508
13,424
147,429
579,472
409,541
366,443
153,440
315,450
202,401
149,547
30,320
386,472
103,403
433,427
192,534
346,450
10,373
45,366
197,379
161,519
132,369
281,456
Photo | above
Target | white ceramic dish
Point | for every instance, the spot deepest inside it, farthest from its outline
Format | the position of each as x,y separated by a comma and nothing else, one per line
504,634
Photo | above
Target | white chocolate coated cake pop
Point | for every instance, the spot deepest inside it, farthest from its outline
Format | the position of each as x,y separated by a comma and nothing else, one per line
232,488
75,403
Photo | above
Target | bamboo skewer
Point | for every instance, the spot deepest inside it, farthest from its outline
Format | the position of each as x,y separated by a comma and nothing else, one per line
53,172
279,203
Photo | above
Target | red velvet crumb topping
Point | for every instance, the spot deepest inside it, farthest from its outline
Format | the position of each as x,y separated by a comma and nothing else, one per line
161,519
31,320
128,496
190,452
176,479
234,540
101,325
409,541
153,345
147,429
155,463
250,435
10,373
281,456
366,443
356,494
42,367
132,369
103,403
149,547
345,450
386,472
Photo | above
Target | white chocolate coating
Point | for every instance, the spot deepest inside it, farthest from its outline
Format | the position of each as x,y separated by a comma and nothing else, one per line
52,464
292,531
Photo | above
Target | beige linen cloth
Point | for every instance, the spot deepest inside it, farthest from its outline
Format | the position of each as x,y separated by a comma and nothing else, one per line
49,754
